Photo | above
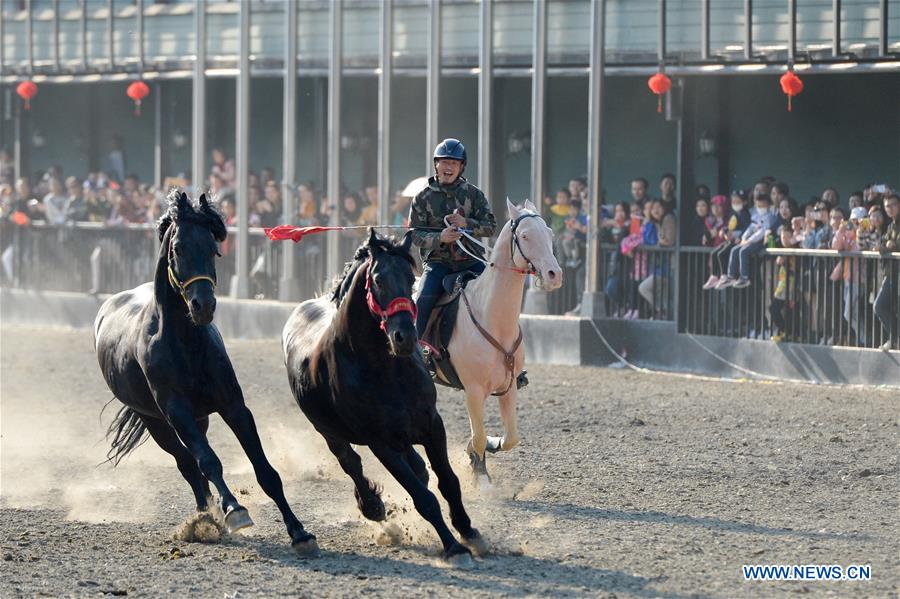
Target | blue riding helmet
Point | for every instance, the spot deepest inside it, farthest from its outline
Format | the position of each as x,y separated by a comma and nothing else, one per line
451,148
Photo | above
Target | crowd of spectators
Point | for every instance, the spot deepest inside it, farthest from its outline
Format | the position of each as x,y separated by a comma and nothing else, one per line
110,199
737,228
101,197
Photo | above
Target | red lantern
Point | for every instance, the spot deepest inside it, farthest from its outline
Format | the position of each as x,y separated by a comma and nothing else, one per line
659,84
27,90
791,85
137,91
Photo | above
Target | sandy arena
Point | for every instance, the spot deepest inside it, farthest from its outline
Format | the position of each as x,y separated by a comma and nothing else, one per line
625,485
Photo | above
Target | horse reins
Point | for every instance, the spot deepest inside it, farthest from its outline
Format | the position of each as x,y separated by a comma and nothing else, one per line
513,244
397,305
509,357
180,287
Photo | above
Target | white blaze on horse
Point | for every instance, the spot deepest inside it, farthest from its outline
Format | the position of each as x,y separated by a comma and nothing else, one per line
485,348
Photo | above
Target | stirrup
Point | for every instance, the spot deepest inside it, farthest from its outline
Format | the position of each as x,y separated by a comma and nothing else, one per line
429,350
522,380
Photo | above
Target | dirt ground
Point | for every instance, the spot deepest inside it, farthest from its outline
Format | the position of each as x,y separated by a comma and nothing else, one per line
625,485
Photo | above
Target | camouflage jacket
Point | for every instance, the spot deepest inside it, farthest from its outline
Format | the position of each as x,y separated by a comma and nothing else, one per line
429,208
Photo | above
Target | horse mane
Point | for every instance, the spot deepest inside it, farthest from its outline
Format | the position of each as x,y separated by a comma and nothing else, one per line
387,245
180,209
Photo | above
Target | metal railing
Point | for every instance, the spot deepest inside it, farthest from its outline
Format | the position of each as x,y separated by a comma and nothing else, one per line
94,258
84,257
806,296
639,286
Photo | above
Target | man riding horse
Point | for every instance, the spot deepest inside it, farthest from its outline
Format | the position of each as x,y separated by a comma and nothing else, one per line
449,203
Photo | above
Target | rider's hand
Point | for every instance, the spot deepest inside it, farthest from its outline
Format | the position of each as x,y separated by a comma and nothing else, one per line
450,235
457,220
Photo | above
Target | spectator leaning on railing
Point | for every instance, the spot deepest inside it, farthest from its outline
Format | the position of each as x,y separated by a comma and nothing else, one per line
848,270
784,301
55,203
890,244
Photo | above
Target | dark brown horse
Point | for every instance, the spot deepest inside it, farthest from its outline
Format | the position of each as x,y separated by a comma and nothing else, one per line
357,375
166,362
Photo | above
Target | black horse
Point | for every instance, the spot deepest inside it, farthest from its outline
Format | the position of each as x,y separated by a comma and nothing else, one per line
355,372
164,359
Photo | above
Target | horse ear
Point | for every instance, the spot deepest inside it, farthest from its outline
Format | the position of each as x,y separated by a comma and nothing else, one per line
514,211
529,205
183,204
373,237
204,203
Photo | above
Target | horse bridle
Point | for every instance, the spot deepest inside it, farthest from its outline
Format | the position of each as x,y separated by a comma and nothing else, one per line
179,286
397,305
515,245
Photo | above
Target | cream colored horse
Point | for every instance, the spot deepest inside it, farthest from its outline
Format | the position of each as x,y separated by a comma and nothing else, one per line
496,302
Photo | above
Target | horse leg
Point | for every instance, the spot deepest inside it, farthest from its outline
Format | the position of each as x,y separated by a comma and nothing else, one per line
510,436
426,503
166,438
368,495
417,464
179,414
478,442
448,485
240,420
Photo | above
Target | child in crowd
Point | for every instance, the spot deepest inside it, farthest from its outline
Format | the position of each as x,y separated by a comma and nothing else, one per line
559,212
616,228
784,301
636,218
752,242
648,235
614,231
716,221
729,237
574,235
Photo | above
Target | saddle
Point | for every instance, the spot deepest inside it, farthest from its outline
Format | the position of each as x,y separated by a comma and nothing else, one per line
440,328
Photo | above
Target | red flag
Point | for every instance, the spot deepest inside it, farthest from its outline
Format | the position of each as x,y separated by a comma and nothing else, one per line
295,234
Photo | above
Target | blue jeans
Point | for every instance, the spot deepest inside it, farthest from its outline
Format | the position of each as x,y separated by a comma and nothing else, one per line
739,262
431,288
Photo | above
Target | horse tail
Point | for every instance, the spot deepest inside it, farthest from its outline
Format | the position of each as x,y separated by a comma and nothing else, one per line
128,432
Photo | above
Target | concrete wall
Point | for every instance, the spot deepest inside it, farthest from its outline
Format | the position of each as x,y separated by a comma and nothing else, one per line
548,340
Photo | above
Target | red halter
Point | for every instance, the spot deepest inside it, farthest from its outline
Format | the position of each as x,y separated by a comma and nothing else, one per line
397,305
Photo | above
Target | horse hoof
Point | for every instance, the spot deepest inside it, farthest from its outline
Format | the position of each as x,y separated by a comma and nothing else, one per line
372,508
477,544
236,519
307,548
493,444
458,557
478,463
